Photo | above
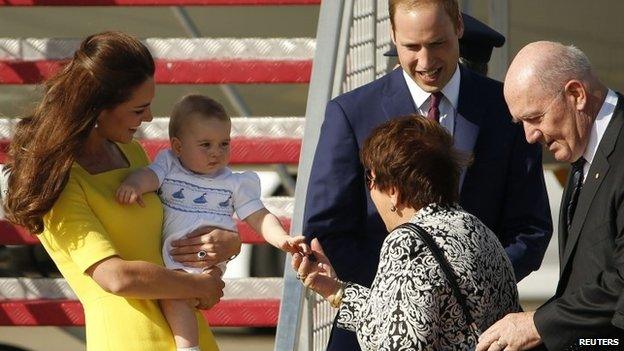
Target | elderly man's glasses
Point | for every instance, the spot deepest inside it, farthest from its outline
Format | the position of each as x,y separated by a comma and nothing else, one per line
368,178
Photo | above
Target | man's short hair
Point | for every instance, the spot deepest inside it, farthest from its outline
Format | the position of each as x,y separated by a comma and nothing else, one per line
569,63
450,6
416,156
194,105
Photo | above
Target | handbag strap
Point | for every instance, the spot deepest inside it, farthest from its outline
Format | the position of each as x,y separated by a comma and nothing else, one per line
446,268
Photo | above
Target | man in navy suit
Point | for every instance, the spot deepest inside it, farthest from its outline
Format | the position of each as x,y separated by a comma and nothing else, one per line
504,186
475,46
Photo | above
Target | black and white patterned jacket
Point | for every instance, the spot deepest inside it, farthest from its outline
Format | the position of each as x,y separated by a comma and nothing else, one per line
410,305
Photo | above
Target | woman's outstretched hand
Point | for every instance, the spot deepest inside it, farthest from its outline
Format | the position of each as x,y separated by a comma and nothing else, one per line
316,274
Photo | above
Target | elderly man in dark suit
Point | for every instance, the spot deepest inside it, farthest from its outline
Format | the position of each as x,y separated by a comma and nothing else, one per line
504,186
553,91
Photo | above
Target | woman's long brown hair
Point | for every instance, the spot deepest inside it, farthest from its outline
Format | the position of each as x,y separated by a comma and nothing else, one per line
102,74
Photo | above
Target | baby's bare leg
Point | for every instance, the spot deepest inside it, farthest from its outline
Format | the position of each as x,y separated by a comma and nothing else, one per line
182,321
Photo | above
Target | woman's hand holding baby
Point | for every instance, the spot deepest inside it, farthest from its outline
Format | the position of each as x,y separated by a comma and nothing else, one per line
212,288
220,245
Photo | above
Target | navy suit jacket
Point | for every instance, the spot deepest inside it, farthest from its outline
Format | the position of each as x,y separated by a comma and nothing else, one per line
504,186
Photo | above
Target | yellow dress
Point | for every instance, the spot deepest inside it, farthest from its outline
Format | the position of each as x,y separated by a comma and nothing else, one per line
87,225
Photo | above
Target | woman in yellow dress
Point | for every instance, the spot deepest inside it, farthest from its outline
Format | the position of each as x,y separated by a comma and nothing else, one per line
66,161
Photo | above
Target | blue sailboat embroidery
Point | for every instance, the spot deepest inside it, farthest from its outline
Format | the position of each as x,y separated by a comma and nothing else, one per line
201,199
178,194
225,203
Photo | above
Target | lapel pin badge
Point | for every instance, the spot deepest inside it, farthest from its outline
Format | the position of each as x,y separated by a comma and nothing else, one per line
597,175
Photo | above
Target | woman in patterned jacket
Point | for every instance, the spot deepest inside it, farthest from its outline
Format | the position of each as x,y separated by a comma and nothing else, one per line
412,172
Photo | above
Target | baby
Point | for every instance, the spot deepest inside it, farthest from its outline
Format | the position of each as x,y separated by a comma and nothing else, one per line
197,188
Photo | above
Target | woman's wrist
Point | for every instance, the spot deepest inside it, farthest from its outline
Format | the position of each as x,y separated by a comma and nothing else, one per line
335,299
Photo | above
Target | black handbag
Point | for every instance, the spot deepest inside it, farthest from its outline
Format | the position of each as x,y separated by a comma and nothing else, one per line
449,273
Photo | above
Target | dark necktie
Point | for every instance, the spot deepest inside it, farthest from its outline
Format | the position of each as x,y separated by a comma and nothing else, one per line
434,104
577,184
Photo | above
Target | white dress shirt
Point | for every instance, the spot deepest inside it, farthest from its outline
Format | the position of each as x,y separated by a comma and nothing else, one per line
448,105
598,129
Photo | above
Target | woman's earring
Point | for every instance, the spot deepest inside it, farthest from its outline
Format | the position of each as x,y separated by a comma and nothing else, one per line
393,209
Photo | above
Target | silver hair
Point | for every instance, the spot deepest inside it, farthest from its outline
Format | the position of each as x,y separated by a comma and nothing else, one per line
569,63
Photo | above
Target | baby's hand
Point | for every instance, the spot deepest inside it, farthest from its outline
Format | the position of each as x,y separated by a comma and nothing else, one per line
128,194
294,244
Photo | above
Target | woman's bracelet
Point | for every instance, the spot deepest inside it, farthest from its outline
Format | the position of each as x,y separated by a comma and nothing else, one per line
336,299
